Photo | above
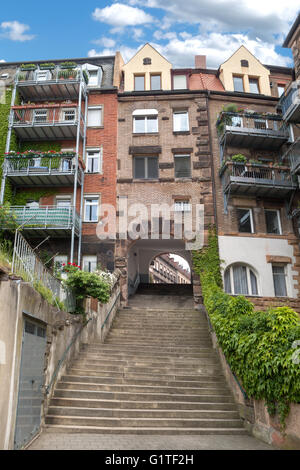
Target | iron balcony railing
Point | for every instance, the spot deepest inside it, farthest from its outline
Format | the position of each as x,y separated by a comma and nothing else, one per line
251,122
292,156
255,175
29,115
41,166
290,101
40,76
27,264
47,217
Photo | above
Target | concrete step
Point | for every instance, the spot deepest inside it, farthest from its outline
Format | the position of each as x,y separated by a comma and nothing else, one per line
129,388
165,350
132,413
140,362
112,355
203,372
143,422
202,382
145,431
142,405
216,396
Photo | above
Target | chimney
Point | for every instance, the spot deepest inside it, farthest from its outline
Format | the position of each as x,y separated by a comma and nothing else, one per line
200,61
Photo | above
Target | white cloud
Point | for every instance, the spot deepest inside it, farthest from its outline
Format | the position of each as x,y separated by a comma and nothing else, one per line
126,52
138,33
120,15
106,42
218,47
15,31
2,60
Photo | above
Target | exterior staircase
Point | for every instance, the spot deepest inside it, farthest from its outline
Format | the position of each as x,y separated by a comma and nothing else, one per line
156,373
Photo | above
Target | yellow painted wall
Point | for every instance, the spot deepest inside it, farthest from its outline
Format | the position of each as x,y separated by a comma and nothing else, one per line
255,70
158,65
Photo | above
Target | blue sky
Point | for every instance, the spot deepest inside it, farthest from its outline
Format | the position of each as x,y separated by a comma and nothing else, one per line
33,30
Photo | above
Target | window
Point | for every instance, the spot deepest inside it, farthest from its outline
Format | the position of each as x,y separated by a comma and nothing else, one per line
244,63
91,209
182,206
139,82
94,117
238,84
155,82
89,263
279,279
40,115
145,167
94,161
240,279
280,89
253,84
236,121
260,124
93,77
145,121
273,222
245,220
58,265
63,201
182,166
180,121
69,115
179,82
147,61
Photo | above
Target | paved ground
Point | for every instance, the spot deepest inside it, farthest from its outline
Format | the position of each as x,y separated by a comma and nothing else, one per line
61,441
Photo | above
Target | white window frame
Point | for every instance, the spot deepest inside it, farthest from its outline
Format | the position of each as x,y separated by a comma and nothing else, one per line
174,78
257,83
100,159
64,111
40,113
145,114
240,77
95,108
278,218
59,199
91,196
183,205
95,77
285,273
89,259
251,218
174,123
249,285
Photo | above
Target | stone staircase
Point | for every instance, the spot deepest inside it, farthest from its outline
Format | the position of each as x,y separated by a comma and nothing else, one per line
156,373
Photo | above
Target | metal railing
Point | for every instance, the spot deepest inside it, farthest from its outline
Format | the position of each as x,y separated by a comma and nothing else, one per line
27,264
46,217
253,122
44,164
292,156
253,173
286,100
45,115
39,76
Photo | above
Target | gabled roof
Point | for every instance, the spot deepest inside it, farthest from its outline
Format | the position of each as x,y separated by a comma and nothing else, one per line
155,50
247,50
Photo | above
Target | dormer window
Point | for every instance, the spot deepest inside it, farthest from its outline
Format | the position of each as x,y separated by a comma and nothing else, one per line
238,83
253,84
94,73
179,82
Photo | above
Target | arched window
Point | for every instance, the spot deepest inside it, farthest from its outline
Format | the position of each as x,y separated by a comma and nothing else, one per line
240,279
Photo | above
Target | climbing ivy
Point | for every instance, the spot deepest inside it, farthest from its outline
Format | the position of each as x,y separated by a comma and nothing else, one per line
21,197
258,345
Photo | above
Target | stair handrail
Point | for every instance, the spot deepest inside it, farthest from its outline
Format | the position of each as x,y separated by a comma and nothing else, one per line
111,309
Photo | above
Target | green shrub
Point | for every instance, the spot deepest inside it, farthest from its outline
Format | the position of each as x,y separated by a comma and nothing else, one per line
256,344
239,158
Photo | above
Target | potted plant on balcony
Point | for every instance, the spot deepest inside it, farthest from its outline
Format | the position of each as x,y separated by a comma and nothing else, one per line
47,66
85,76
28,67
239,158
68,65
67,74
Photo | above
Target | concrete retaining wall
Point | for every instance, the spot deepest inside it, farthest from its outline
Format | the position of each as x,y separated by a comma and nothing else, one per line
63,330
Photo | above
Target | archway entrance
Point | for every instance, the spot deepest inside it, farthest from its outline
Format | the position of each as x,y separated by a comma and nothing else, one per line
169,268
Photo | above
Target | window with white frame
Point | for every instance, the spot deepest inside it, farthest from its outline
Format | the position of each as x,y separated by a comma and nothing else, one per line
63,201
183,205
273,223
94,117
245,221
240,279
94,77
179,82
279,280
91,208
89,263
94,160
145,121
40,115
180,121
69,115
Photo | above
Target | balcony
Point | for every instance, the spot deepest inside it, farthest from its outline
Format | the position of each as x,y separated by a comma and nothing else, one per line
252,130
257,180
47,122
49,84
43,169
47,220
292,155
289,104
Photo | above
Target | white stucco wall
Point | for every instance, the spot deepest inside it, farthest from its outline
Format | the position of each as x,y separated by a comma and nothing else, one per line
253,252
